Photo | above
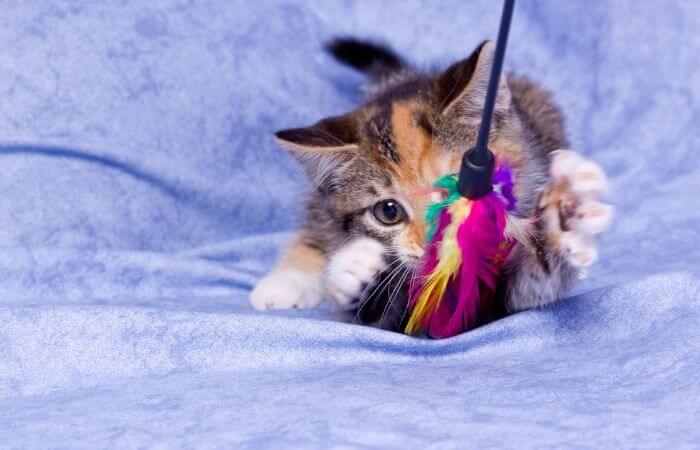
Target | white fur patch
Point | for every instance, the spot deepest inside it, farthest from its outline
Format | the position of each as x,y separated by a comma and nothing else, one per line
288,288
352,268
586,177
586,182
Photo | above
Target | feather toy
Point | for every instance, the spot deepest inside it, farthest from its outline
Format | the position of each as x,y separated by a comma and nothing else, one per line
466,241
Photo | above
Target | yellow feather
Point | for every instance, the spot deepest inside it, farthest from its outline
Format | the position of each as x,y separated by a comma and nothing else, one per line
449,259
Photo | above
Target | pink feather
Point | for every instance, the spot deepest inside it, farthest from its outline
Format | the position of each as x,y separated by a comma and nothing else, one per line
479,238
483,248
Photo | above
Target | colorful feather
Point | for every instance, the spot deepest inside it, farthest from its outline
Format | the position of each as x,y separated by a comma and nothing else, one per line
465,250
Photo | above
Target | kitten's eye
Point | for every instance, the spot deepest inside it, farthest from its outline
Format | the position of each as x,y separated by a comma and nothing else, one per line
389,212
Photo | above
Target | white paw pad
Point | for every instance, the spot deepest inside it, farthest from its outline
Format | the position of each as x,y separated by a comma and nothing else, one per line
285,289
353,268
576,213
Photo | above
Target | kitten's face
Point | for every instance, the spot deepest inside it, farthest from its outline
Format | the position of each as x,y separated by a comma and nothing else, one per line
376,165
383,188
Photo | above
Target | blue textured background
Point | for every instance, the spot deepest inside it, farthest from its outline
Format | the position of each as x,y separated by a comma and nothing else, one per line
142,196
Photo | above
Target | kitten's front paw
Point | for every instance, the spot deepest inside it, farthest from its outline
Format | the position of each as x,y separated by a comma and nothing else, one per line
571,204
289,288
352,268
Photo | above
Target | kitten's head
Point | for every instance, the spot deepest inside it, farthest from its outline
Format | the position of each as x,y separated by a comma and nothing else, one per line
375,164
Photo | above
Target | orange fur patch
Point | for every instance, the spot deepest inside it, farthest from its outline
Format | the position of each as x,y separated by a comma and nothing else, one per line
300,256
414,236
421,161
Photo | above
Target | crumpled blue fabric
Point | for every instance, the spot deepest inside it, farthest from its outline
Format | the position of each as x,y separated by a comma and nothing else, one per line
143,196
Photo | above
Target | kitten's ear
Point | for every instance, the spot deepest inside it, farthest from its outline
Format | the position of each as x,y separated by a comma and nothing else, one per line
333,134
322,146
462,87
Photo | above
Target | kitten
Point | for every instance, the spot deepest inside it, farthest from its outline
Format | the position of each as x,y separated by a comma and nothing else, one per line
364,234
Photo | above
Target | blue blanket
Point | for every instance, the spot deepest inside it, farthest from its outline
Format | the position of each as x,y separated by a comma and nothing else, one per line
143,196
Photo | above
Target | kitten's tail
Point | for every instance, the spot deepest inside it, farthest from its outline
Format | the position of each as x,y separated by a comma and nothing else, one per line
376,61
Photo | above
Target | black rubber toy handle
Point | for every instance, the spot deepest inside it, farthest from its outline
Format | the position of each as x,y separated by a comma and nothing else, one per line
478,162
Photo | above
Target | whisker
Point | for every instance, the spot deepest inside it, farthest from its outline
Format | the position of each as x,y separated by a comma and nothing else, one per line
375,288
414,272
388,277
395,289
394,294
398,273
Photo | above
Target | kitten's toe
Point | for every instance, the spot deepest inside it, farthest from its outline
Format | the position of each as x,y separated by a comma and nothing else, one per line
592,217
288,289
353,268
581,176
581,249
